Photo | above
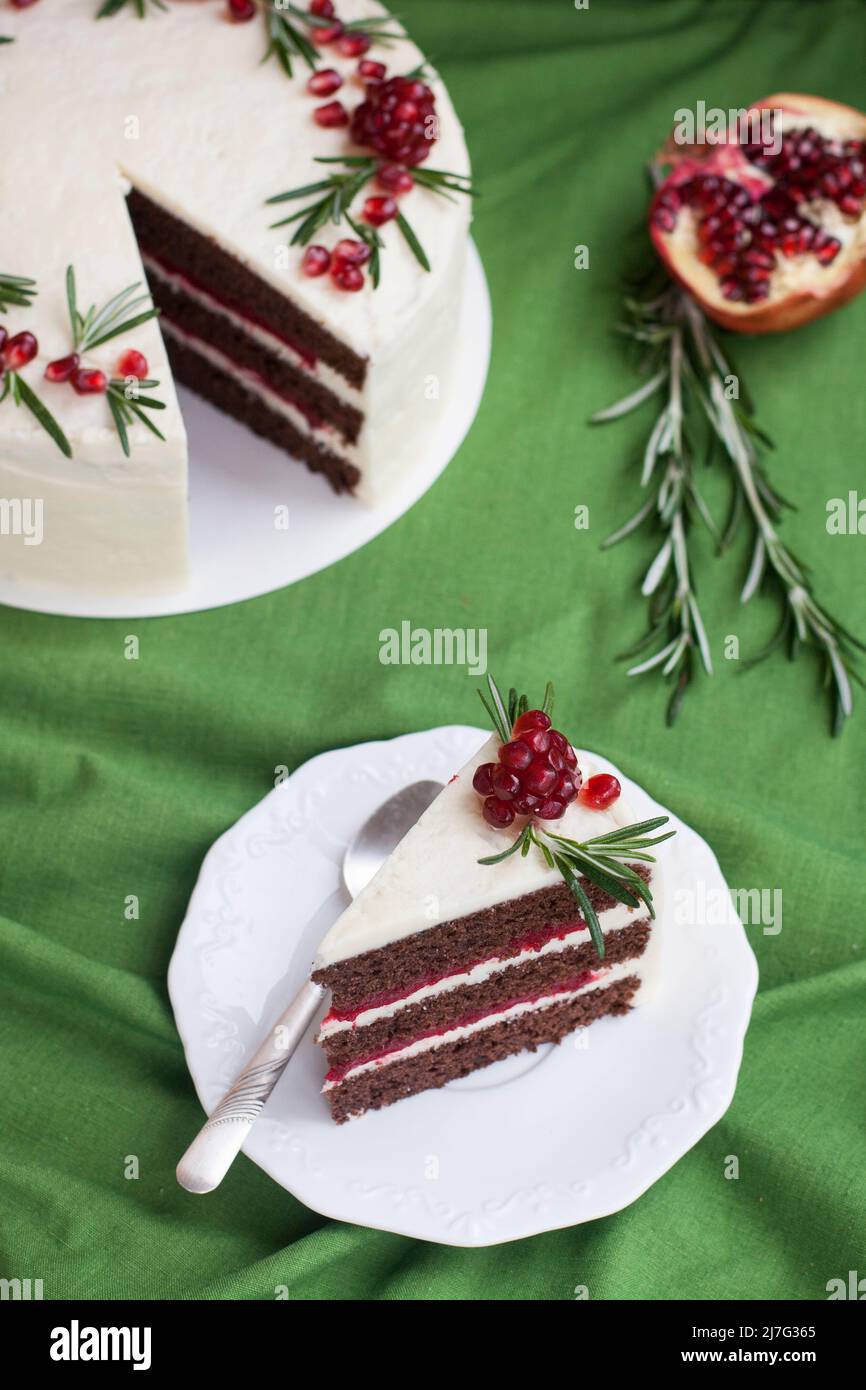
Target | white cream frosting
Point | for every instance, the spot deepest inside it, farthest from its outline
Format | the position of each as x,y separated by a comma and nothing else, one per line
615,919
602,979
434,875
180,105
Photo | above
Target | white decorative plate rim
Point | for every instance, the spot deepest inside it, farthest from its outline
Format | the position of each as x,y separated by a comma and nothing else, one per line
320,1162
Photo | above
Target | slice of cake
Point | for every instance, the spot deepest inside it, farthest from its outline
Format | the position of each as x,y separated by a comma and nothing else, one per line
301,223
495,925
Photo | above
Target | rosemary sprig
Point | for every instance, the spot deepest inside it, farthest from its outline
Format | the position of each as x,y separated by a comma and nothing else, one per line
286,40
675,629
127,406
112,7
99,326
286,26
606,860
337,193
15,386
17,290
684,358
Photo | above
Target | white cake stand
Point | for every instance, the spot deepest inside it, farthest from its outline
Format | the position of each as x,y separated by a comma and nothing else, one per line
236,552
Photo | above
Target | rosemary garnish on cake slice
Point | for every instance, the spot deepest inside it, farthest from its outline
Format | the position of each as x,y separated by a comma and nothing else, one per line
16,387
97,326
537,775
118,315
111,7
16,290
18,351
127,406
338,191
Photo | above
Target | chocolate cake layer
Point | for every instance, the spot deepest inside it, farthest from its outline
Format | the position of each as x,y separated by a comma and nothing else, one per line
380,1086
231,396
177,245
447,947
441,1011
280,374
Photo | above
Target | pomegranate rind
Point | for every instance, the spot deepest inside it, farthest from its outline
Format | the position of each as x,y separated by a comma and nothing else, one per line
824,289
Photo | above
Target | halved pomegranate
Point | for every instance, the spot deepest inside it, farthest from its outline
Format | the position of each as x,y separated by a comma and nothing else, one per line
769,234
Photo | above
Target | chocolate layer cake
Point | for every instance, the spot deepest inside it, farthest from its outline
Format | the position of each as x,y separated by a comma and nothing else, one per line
194,128
443,964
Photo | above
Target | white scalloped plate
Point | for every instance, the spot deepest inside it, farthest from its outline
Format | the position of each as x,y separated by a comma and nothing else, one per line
540,1141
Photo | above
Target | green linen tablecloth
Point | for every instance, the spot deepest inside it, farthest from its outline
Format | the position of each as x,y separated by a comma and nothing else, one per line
117,775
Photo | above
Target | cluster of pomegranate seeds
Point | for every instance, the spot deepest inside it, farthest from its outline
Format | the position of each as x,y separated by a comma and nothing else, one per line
397,119
741,236
17,351
810,166
537,773
600,791
90,381
344,263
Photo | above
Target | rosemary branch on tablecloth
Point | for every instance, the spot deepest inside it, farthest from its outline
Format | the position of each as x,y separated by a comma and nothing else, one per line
685,362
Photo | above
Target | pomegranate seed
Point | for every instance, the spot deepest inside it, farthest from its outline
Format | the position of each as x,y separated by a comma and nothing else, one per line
371,71
22,4
564,788
89,381
539,779
483,779
3,336
395,178
324,82
551,809
828,253
327,33
352,252
61,368
132,363
19,350
323,8
524,804
241,10
333,113
600,791
347,277
316,261
532,719
506,784
849,205
515,755
353,45
498,813
377,211
538,740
